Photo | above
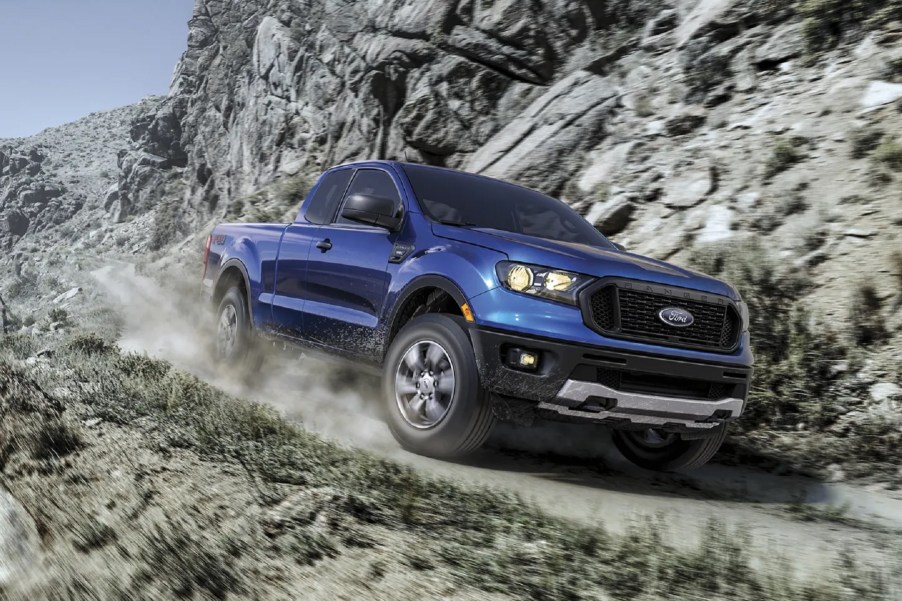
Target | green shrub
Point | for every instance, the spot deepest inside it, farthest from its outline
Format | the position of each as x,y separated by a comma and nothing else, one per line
56,438
865,319
863,141
889,154
91,344
826,22
785,154
58,315
168,223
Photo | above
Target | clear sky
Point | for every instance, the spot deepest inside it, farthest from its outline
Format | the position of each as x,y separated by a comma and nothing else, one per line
63,59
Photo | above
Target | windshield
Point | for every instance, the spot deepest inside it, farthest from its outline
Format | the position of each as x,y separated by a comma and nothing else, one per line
463,199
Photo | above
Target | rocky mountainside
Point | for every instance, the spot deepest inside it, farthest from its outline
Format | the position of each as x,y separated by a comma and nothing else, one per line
61,185
669,123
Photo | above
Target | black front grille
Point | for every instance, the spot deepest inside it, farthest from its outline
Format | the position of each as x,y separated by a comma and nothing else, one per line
661,385
622,311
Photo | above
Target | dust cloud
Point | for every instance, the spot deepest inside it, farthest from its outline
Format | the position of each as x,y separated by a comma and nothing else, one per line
164,318
167,320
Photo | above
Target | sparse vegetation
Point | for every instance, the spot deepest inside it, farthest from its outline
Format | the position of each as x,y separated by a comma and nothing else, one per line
57,438
786,153
865,318
168,223
796,389
59,316
878,176
889,154
827,22
484,540
863,141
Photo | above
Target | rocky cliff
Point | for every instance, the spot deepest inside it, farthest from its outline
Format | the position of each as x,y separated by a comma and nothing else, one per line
61,184
669,123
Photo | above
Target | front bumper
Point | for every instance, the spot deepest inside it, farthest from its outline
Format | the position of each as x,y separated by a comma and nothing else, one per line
625,390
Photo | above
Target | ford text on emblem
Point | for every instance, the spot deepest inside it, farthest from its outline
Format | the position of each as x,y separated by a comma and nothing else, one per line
679,318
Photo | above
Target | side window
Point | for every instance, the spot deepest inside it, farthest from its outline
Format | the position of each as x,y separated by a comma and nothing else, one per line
327,196
374,183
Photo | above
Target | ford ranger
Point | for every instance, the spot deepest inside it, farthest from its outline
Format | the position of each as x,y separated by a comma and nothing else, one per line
480,300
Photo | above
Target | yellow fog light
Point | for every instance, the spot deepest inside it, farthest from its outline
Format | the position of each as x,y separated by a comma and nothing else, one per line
519,278
528,360
555,280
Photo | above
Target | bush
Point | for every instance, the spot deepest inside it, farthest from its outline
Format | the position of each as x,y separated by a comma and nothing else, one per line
865,320
91,344
785,154
826,22
292,190
889,154
168,223
863,141
56,438
58,316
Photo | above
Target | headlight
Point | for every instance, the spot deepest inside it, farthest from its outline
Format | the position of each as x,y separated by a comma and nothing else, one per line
553,284
743,315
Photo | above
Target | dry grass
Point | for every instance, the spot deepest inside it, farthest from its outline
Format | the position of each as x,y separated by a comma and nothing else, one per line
305,502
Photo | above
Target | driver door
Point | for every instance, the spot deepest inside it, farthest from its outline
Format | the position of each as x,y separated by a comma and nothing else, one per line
347,275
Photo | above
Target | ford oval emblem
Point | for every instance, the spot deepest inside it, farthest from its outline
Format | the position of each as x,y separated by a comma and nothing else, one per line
676,317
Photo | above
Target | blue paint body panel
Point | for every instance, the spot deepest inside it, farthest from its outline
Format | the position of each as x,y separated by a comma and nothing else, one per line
344,299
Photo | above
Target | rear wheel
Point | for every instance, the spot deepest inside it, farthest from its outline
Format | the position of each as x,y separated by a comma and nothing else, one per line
434,402
236,344
666,452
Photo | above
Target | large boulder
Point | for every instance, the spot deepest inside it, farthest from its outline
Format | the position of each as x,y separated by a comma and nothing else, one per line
564,122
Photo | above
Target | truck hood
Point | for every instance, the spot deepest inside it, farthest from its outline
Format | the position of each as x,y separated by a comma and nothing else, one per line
582,258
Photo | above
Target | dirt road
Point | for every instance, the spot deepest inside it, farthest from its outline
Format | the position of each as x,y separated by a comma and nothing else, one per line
568,470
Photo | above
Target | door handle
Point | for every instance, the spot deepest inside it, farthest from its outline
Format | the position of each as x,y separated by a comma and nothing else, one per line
324,245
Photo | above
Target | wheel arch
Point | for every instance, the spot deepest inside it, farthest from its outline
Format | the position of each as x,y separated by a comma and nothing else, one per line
231,273
419,292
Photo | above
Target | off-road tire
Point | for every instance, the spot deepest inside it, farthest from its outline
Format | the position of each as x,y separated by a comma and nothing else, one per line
468,418
244,353
679,455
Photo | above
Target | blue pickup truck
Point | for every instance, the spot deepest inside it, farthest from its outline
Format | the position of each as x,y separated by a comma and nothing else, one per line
480,300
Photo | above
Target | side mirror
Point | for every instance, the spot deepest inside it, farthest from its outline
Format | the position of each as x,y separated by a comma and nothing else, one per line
618,246
372,210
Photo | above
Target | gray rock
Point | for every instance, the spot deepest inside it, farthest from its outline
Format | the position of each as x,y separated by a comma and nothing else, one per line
690,187
744,71
65,296
111,197
884,391
563,122
880,93
613,216
785,43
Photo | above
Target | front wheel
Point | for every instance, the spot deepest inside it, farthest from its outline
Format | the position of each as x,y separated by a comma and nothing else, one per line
434,402
667,452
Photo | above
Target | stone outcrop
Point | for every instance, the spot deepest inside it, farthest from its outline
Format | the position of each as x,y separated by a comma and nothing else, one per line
267,87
